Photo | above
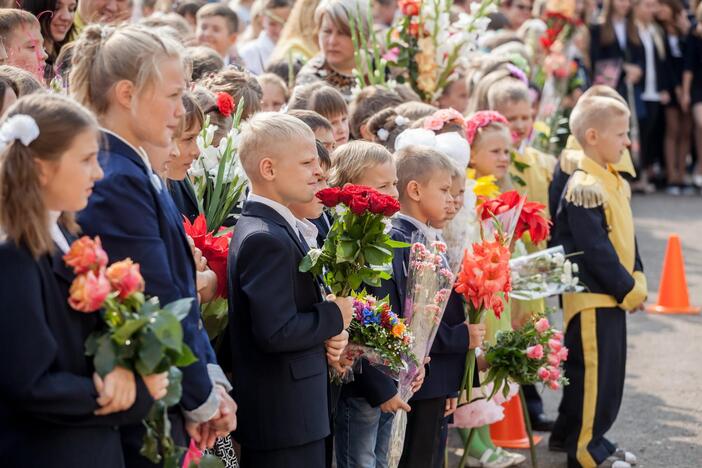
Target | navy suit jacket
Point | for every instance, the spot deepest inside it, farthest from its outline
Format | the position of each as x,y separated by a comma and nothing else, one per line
47,395
278,323
136,219
448,353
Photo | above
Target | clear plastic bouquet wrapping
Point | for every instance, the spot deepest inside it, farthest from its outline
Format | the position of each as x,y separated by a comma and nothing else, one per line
429,283
543,274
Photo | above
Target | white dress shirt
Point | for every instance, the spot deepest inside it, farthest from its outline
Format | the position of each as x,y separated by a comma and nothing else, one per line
255,54
429,232
309,232
56,233
650,92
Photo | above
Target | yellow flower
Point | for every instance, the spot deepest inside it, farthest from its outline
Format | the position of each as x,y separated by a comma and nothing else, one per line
541,127
485,186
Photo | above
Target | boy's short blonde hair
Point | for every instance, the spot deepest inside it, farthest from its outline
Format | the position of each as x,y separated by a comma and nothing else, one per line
351,160
419,163
266,133
603,91
507,91
594,112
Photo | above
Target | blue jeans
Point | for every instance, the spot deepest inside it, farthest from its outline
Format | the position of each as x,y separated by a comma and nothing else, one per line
362,434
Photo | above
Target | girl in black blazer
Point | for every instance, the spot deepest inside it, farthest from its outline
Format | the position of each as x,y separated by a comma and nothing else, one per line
55,411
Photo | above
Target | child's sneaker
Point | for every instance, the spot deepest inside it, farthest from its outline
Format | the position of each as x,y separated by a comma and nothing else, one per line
517,458
613,462
623,455
492,459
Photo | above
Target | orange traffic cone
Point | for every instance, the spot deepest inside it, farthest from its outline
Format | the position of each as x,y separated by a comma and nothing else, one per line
511,431
673,296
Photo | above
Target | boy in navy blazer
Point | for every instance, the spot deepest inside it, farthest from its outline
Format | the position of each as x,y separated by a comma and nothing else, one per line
278,319
424,183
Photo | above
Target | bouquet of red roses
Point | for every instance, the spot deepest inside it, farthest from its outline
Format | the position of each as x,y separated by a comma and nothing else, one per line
530,219
358,248
139,334
215,248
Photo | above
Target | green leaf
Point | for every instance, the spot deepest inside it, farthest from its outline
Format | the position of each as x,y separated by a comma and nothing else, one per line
91,344
128,328
149,447
376,255
310,260
150,354
346,251
396,244
180,308
210,461
175,390
105,356
186,357
168,330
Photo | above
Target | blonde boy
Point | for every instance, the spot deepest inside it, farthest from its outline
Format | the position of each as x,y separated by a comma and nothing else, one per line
278,319
21,34
594,218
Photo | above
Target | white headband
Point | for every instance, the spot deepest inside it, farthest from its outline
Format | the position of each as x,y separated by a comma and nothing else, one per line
20,127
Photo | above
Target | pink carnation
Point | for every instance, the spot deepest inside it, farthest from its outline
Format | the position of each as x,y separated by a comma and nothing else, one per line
535,352
542,325
563,354
554,359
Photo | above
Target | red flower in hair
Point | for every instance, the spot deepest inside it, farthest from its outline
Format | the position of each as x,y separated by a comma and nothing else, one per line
482,119
225,104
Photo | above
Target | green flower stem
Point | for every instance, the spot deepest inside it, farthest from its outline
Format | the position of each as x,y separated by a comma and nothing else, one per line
527,422
469,439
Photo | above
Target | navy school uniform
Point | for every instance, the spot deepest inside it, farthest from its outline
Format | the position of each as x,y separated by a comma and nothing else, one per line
278,322
134,215
47,394
183,194
423,439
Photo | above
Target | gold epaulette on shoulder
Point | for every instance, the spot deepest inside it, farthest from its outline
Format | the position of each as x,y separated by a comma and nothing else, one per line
584,190
569,160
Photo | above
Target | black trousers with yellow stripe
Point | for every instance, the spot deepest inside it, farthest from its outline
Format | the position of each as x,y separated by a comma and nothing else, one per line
596,366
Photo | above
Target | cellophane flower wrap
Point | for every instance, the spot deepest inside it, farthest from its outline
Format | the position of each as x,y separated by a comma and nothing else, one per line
137,334
543,274
358,248
380,336
529,355
429,283
511,216
217,174
215,248
426,48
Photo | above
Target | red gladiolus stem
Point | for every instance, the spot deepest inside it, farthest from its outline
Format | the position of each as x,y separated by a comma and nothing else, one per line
527,423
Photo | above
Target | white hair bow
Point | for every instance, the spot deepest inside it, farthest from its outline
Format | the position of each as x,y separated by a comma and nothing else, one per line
20,127
451,144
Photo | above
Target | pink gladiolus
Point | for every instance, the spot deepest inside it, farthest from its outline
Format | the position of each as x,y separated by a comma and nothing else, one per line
535,352
555,373
555,345
542,325
543,373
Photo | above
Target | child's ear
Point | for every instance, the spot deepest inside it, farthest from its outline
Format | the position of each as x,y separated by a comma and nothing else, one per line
414,191
124,92
591,136
267,169
365,134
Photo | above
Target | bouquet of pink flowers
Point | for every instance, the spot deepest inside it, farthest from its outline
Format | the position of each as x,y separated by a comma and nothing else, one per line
429,283
139,334
526,356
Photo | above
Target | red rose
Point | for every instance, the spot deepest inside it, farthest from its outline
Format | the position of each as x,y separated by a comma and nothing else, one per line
85,255
383,204
359,204
225,104
330,197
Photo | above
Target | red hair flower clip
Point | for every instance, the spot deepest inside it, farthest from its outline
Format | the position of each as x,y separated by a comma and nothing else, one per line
225,104
480,120
438,119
